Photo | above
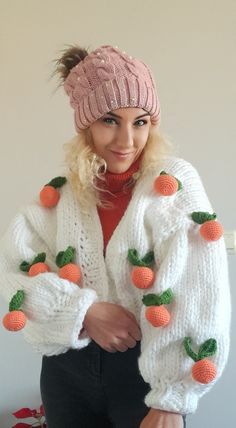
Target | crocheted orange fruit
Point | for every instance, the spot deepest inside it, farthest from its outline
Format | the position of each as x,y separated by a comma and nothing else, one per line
38,268
156,313
49,195
68,269
211,230
158,316
14,320
71,272
203,370
142,277
167,184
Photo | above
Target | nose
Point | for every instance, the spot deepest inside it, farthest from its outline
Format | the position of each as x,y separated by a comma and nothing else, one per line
125,137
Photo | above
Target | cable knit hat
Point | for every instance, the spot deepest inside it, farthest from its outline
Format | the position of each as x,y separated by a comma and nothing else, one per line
108,79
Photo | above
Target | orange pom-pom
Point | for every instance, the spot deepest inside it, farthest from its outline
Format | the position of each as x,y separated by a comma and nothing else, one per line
49,196
211,230
204,371
158,316
71,272
142,277
38,268
166,185
14,320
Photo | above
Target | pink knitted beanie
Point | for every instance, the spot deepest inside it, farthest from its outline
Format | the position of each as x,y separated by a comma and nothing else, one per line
108,79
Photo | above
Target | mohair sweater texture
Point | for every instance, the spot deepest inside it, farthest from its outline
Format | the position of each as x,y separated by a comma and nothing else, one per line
196,271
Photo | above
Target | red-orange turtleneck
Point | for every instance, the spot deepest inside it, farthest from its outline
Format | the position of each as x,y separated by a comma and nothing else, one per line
118,185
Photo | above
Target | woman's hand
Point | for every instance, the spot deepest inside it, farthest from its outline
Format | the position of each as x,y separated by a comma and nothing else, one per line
161,419
113,327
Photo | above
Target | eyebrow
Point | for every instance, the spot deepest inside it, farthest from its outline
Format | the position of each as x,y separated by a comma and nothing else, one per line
138,117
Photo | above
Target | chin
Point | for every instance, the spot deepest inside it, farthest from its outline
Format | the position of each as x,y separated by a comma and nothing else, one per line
118,169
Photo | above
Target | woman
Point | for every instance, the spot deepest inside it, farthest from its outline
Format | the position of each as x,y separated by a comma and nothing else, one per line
143,331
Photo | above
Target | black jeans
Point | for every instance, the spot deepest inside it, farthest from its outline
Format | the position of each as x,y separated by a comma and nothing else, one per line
93,388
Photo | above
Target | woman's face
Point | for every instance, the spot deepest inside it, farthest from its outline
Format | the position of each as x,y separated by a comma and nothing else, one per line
120,136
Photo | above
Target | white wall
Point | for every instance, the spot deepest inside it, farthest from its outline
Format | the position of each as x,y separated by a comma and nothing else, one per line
190,46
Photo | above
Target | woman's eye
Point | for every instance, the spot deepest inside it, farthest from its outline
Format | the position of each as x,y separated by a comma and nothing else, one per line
108,120
143,122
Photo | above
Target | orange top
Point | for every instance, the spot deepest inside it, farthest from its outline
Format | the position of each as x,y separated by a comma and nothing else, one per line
121,186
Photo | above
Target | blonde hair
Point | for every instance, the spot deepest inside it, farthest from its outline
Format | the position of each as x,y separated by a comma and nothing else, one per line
85,167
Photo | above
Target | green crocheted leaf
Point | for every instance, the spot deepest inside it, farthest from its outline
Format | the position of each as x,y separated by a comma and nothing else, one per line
59,258
207,349
65,257
148,259
163,173
40,258
16,301
135,260
187,345
166,297
180,185
151,300
157,300
57,182
25,266
201,217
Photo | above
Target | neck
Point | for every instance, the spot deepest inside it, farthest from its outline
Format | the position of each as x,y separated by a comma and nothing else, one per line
119,183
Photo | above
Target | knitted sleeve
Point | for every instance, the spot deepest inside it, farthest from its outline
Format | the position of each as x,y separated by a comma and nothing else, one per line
54,307
185,345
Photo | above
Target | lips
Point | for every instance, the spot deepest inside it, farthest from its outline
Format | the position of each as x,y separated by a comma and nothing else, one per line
121,153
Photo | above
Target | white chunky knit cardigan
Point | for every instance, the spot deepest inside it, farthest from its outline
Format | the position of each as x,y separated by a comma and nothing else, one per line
196,270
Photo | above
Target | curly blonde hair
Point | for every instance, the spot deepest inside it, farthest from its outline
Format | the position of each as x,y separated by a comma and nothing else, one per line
85,166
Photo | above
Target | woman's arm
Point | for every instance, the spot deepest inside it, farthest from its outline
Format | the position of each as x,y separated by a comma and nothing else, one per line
196,271
55,307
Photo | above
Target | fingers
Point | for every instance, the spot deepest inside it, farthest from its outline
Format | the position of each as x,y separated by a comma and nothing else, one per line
110,349
130,314
134,329
126,342
122,345
122,348
135,332
130,342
